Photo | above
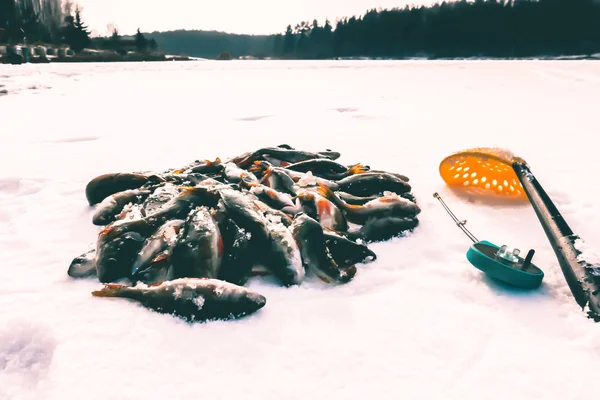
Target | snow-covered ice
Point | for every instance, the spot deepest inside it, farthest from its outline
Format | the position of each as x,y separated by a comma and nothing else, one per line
419,323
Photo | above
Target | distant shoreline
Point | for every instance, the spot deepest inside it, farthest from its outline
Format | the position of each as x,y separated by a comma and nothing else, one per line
158,58
16,60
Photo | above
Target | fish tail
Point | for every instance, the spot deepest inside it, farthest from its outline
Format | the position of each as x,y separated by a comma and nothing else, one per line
357,169
109,290
329,195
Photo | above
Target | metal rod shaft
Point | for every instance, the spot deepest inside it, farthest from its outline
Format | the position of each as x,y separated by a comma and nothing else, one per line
583,278
460,224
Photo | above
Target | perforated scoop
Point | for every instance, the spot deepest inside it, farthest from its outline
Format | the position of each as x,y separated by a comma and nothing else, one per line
484,168
500,173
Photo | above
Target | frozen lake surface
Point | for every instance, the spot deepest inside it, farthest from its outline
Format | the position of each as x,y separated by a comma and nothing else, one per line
419,323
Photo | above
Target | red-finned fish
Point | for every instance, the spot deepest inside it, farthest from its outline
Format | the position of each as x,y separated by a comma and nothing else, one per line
327,169
370,183
202,167
199,248
391,205
283,258
272,197
308,234
192,299
345,251
105,185
110,207
283,155
238,253
382,229
242,210
323,210
158,247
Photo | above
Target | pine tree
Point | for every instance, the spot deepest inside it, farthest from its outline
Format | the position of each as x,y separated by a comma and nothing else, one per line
140,41
74,33
289,41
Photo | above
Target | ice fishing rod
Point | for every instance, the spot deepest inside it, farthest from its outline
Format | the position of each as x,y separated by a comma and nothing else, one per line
499,262
500,172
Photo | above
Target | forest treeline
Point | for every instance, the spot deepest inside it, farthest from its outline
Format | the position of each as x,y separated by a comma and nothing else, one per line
60,23
487,28
497,28
492,28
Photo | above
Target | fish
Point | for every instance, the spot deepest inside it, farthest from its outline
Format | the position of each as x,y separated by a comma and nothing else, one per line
202,167
274,178
295,178
356,200
391,205
283,258
233,174
333,155
199,249
177,208
238,253
188,179
400,176
284,156
369,183
284,215
181,205
105,185
308,234
158,246
111,207
318,165
115,256
161,196
327,169
272,197
382,229
191,299
345,251
246,215
323,210
84,265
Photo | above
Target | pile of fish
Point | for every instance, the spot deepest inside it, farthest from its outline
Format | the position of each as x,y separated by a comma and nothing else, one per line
186,241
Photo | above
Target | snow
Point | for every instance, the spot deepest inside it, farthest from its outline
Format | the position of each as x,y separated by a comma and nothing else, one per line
418,323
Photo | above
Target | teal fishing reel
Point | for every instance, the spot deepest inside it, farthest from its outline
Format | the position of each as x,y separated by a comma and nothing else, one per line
500,262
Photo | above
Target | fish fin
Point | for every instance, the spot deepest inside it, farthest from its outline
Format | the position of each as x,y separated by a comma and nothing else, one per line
217,161
220,246
323,279
266,175
356,169
285,164
178,171
329,195
155,284
257,166
160,257
109,290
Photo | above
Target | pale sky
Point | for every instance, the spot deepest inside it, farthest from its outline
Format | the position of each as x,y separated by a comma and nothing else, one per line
235,16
